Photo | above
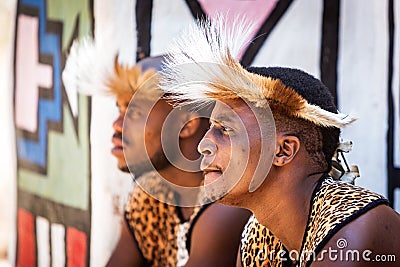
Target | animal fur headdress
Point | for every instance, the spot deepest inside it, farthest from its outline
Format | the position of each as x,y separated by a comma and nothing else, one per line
202,66
92,69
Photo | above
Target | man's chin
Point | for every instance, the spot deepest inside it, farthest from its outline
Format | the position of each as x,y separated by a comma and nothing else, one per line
124,168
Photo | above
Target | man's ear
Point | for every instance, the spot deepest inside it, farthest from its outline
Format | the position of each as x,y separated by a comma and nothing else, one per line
191,125
286,149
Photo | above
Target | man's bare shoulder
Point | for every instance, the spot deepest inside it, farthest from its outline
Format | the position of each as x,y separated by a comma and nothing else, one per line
216,236
373,239
127,252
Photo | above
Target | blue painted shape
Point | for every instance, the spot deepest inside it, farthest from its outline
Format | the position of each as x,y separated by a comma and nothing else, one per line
49,110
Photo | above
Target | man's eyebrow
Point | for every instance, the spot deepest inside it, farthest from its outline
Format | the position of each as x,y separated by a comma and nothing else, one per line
221,118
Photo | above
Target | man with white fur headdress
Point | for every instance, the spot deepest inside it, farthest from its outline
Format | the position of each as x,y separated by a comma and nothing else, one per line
269,148
157,218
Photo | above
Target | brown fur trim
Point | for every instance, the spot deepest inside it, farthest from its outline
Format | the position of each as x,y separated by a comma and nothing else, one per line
127,80
202,66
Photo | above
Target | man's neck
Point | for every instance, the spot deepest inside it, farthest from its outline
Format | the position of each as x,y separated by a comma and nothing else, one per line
285,209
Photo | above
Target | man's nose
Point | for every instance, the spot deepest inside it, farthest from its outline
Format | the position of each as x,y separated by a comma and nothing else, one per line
207,147
118,124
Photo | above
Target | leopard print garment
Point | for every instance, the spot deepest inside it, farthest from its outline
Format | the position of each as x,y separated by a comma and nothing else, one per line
158,228
334,204
259,246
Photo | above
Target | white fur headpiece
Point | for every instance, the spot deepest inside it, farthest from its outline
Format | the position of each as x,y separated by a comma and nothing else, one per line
94,69
88,67
203,66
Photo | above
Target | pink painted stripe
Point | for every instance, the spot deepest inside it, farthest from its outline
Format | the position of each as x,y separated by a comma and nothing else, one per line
256,11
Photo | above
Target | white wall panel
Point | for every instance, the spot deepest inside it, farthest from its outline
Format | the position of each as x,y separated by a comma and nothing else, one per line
362,86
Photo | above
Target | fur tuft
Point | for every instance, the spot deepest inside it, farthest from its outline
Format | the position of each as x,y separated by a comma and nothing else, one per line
203,66
292,104
92,70
128,80
203,63
87,67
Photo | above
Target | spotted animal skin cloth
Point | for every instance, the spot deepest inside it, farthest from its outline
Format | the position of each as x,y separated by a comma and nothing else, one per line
158,228
334,204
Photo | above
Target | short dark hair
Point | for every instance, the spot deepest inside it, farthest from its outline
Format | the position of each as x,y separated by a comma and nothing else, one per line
316,93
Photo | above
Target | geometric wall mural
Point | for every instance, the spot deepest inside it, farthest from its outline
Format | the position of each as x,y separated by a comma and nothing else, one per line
52,136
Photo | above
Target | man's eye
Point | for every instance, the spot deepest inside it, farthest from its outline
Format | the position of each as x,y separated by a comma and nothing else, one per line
220,128
226,130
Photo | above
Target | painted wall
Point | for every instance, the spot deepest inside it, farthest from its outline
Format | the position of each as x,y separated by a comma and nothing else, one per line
7,139
59,184
52,137
56,159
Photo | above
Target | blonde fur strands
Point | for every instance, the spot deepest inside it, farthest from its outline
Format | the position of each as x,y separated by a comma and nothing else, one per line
128,80
203,62
202,66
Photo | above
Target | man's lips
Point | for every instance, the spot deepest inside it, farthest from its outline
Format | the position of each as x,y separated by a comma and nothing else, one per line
211,174
211,169
117,139
117,150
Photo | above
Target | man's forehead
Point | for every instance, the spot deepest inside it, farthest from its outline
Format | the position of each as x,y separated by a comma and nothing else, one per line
231,111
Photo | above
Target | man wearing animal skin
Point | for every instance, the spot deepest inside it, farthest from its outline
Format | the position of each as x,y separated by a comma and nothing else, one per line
154,230
273,133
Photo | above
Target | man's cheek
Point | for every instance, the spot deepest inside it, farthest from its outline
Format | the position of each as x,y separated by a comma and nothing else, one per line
237,163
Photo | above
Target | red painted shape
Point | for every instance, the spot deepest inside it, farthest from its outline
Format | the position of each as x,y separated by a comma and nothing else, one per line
26,256
76,247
